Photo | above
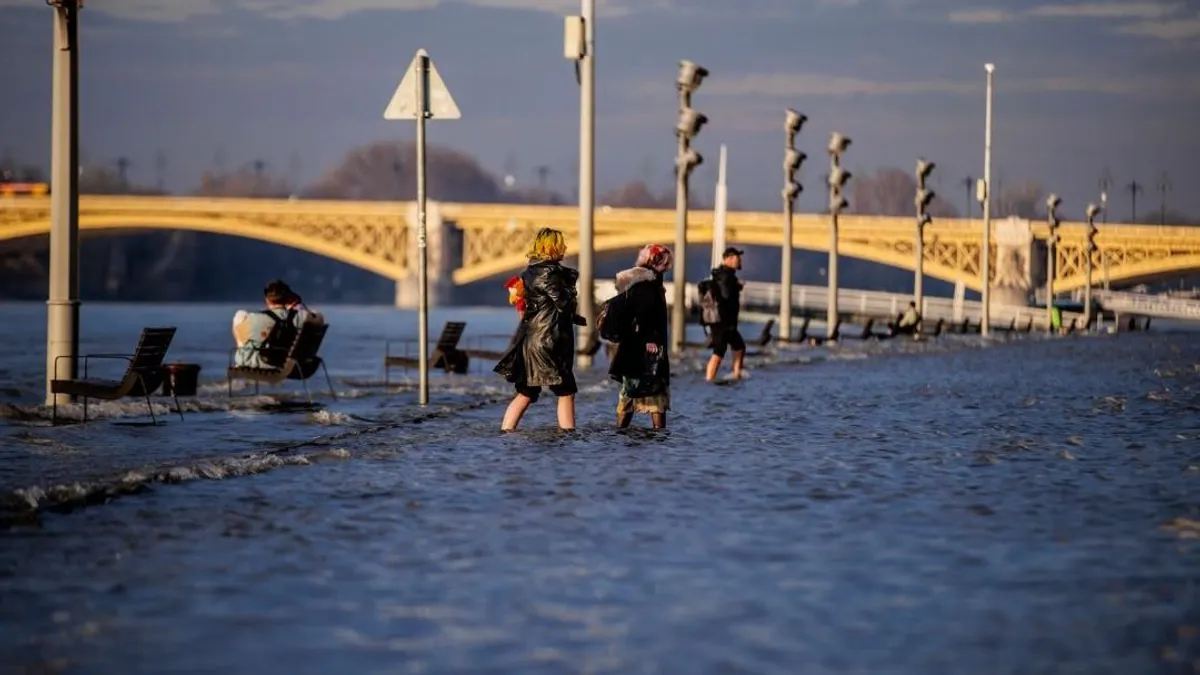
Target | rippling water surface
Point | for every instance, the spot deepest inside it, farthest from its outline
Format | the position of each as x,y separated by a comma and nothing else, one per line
1024,507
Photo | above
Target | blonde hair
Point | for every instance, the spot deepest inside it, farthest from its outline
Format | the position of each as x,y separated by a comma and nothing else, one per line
548,244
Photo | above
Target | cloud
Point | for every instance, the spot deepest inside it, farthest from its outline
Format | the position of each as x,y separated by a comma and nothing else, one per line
792,85
157,11
174,11
1174,30
1107,10
981,15
1151,18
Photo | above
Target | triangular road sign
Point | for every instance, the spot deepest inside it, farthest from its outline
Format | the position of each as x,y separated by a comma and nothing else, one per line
404,105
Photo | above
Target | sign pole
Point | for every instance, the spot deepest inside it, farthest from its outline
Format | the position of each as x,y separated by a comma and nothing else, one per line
422,243
422,96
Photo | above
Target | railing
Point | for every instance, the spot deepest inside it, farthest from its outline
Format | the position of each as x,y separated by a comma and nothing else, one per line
869,304
1160,306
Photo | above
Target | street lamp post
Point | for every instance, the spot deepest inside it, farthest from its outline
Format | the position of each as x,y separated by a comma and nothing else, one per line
580,45
689,124
838,177
985,251
62,316
923,199
1092,210
1052,222
792,159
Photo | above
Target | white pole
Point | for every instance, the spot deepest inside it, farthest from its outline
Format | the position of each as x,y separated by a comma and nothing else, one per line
985,264
720,204
587,183
422,250
62,316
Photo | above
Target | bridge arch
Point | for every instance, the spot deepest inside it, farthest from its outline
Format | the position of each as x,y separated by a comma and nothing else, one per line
229,226
514,262
1146,270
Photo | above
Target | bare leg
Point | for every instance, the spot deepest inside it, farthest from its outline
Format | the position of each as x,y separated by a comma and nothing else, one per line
738,357
566,412
714,364
516,410
623,420
658,420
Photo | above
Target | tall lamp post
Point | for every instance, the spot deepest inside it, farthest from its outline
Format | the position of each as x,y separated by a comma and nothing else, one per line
579,46
1052,222
62,316
1092,210
689,124
923,199
838,177
792,159
985,250
1105,184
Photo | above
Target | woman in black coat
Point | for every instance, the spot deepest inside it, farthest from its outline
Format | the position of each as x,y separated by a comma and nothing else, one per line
640,364
543,352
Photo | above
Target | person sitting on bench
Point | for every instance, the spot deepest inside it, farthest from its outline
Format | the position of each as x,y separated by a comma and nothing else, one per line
252,330
908,322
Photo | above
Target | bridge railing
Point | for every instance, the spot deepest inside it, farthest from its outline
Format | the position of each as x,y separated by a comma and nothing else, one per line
1149,305
873,304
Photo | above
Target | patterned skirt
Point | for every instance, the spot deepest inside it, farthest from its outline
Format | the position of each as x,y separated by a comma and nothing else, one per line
636,397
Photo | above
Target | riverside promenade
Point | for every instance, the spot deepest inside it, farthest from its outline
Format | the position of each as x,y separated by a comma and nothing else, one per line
952,505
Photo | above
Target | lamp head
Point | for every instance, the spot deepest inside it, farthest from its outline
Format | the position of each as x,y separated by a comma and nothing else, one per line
690,75
838,143
794,121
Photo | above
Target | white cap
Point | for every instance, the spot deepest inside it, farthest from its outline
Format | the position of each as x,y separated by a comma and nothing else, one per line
990,67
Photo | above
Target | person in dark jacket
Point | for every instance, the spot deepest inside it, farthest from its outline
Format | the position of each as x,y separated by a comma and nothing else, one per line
640,363
543,351
727,290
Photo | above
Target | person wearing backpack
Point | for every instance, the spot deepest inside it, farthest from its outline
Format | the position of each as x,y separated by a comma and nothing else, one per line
543,351
636,320
726,294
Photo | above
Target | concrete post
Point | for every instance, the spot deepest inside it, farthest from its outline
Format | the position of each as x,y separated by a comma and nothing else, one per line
62,316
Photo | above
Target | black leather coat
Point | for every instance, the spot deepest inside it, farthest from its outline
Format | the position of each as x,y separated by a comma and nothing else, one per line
543,353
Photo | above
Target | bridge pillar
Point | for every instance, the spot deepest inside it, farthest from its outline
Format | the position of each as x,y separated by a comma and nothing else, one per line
439,256
1014,262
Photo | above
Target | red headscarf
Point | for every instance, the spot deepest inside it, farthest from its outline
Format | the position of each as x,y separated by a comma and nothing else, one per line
516,293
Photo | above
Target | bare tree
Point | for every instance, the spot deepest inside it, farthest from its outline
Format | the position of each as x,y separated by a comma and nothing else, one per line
386,170
247,181
892,192
1024,200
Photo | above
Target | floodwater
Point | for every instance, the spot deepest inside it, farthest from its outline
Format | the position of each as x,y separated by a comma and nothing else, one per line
1026,506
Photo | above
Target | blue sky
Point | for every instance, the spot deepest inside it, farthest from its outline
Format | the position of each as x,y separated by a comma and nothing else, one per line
1080,86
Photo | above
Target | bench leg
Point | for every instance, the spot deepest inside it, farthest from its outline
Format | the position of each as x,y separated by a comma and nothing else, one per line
307,393
178,408
54,411
85,419
328,381
150,407
229,385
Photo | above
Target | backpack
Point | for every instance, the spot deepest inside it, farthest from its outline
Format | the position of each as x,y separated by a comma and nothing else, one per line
710,312
613,318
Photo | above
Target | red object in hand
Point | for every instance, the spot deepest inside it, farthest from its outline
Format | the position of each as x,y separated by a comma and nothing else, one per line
516,294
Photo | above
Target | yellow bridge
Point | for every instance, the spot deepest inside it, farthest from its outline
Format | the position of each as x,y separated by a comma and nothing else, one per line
377,236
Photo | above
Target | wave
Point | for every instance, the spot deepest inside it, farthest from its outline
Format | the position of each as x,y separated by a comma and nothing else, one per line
471,392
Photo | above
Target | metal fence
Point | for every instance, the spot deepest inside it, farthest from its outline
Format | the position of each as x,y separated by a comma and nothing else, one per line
877,304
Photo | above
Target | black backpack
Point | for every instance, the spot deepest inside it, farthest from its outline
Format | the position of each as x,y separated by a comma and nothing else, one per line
613,318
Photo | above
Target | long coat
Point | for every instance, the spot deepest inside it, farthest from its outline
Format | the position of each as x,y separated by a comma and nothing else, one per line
647,312
543,351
